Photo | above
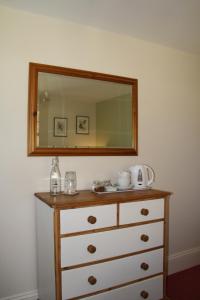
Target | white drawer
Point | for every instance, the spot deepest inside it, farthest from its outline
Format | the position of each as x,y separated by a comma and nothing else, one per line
153,286
88,218
75,282
74,250
141,211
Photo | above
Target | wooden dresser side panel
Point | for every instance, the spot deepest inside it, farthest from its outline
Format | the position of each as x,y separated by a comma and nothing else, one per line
166,248
45,251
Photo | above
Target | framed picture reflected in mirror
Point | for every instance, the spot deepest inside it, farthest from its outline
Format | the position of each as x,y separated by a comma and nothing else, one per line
60,127
82,125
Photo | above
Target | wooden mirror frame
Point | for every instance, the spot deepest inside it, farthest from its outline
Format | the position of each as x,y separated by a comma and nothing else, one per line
33,150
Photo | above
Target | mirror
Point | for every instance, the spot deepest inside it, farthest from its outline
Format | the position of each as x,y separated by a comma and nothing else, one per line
76,112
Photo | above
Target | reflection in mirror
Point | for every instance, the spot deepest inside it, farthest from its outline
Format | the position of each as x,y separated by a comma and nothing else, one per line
90,113
82,111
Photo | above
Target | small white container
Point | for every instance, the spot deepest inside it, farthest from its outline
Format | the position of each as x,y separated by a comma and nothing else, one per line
124,179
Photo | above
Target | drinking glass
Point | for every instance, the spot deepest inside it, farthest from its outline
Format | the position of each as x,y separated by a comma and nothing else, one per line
70,183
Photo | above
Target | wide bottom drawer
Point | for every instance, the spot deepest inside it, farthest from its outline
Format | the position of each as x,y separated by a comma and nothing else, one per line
86,280
151,289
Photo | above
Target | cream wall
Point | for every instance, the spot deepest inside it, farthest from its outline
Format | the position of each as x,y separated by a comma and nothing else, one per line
169,127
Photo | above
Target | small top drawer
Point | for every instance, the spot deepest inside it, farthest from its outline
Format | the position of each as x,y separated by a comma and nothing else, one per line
141,211
87,218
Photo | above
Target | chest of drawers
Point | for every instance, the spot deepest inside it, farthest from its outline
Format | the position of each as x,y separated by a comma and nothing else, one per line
102,247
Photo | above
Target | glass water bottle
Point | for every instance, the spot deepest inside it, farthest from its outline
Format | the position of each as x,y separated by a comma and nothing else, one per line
55,178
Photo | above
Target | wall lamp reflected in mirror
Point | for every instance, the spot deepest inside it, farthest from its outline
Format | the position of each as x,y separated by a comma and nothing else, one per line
44,96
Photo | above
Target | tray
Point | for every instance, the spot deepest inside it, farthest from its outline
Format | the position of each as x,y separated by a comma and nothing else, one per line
122,190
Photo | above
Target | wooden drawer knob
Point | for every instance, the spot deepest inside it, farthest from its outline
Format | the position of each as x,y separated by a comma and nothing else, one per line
144,238
92,219
144,294
92,280
144,211
144,266
91,249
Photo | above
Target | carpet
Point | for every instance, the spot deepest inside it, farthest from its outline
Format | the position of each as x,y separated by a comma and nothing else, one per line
184,285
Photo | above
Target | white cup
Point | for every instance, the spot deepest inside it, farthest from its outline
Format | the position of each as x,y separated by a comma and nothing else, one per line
124,179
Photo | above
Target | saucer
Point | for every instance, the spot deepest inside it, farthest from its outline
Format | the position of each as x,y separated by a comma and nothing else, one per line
71,194
110,188
142,188
125,188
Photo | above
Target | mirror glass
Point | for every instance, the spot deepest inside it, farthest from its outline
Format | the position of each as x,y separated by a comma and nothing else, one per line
76,112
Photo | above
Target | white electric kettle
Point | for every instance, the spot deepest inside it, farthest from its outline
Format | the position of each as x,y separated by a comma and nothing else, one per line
142,176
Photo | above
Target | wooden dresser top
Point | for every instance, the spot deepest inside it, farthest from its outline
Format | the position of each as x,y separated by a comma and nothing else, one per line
87,198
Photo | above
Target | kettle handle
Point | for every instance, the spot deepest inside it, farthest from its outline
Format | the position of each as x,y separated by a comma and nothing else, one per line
151,175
